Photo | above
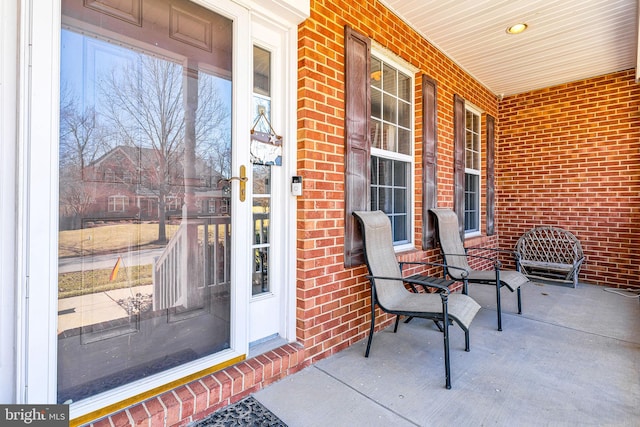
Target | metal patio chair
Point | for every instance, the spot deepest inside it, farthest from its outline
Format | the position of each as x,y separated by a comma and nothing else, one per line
455,254
388,289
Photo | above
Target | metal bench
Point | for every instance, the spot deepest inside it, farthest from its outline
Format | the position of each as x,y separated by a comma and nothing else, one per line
550,253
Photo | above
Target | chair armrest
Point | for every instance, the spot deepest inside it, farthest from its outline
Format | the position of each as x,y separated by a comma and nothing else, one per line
411,282
496,262
515,254
465,273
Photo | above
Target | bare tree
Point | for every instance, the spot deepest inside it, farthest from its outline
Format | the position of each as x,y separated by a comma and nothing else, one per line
144,101
82,140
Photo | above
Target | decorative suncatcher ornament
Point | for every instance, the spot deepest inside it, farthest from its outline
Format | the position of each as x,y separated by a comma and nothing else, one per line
266,147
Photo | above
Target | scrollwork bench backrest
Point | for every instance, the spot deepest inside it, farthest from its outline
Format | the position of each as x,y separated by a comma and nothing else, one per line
549,244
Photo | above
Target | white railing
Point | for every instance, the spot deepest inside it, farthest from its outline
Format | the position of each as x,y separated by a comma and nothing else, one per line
197,256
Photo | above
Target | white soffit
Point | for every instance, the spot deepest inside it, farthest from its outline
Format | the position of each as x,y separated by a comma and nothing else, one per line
567,40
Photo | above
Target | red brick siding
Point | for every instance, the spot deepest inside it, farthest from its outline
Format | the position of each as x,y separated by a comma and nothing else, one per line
201,397
333,302
569,156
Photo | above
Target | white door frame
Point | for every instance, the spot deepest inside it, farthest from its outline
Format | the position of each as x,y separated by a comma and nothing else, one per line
36,159
37,205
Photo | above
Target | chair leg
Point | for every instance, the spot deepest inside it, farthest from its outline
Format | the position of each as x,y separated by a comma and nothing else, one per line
373,324
395,328
499,308
466,340
445,333
519,301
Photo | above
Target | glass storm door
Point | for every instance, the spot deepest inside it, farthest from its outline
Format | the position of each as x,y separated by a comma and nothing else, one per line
145,199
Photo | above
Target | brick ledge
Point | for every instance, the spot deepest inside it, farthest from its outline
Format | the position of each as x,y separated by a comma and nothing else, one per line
199,398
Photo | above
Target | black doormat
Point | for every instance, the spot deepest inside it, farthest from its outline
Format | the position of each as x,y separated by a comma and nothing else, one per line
246,412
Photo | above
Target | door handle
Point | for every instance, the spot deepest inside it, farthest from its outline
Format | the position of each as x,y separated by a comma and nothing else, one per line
242,180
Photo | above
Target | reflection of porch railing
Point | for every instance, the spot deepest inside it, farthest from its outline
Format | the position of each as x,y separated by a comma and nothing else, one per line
198,255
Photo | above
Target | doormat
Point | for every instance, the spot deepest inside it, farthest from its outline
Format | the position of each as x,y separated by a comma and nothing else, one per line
245,412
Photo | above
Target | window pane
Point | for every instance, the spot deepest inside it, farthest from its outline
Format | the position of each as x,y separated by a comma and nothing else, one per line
404,141
261,179
376,73
260,281
404,87
375,127
385,172
261,71
261,211
390,109
399,174
400,228
386,199
404,114
390,138
399,200
142,288
390,80
376,103
374,170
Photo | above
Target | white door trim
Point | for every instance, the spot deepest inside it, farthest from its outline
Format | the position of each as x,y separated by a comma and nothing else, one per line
36,267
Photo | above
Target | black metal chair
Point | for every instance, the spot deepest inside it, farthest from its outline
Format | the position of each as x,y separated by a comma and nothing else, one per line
388,289
455,257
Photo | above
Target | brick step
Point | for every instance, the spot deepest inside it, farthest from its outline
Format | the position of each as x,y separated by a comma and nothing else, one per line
197,399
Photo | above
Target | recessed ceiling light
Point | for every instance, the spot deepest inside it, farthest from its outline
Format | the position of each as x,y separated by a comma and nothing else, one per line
517,28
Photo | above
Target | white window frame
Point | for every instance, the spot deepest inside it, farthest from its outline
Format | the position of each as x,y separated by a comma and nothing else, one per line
399,64
470,108
118,203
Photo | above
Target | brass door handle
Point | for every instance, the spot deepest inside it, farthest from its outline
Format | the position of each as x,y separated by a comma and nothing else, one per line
242,180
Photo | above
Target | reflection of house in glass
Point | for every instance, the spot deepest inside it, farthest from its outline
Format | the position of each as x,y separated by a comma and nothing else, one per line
125,184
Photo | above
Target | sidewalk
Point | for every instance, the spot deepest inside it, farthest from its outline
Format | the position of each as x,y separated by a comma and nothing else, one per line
92,309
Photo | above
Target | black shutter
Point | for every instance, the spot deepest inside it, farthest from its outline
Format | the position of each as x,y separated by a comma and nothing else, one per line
357,164
429,159
459,131
491,195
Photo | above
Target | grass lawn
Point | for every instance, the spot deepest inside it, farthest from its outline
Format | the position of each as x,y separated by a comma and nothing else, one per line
110,238
93,281
104,240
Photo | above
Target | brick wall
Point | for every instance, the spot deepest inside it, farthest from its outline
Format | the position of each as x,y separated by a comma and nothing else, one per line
569,156
333,302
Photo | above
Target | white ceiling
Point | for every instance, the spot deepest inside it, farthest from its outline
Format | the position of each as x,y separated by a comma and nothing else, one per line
567,40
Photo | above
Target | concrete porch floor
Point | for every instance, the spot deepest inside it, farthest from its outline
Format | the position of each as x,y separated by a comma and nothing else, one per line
571,358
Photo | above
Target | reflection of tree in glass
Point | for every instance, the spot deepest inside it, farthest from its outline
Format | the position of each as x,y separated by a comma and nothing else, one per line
144,104
82,140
